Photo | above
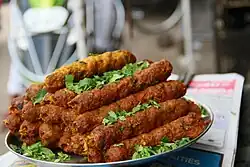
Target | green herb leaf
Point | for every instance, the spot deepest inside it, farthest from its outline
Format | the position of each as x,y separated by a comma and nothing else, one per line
203,111
142,152
69,80
39,97
112,114
61,157
121,129
107,77
87,84
38,151
164,140
147,151
122,118
182,141
110,119
16,149
93,54
115,77
113,117
118,145
154,103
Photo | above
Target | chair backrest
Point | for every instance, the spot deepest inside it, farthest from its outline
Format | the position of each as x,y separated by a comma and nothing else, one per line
39,54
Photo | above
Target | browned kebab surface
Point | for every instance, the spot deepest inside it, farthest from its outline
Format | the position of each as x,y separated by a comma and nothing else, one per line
92,65
50,134
60,97
52,114
74,122
29,132
14,118
160,92
187,126
33,89
89,100
31,112
102,137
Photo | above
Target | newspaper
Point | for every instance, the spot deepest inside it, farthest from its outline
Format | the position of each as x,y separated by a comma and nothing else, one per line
217,148
222,93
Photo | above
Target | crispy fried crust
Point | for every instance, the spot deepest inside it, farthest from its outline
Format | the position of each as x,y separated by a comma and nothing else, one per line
14,118
188,126
50,134
13,122
72,122
33,89
29,132
52,114
60,97
102,137
160,92
18,102
92,65
31,112
89,100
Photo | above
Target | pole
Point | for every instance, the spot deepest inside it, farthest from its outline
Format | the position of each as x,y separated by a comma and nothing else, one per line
187,34
78,16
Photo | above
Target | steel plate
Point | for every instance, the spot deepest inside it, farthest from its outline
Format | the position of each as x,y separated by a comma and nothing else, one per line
10,139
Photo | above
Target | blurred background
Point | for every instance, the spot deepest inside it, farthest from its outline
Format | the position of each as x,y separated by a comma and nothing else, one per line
198,36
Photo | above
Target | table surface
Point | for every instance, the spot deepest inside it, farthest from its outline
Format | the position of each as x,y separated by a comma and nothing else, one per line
243,149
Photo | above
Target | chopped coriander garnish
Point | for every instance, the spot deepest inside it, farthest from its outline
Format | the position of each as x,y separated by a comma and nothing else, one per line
61,157
113,117
203,111
93,54
107,77
164,140
118,145
121,129
165,146
16,148
38,151
39,96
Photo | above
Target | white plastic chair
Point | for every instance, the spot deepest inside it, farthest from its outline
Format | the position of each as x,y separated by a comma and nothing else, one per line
33,68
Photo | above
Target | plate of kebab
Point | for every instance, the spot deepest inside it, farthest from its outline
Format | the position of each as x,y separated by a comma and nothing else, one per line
105,110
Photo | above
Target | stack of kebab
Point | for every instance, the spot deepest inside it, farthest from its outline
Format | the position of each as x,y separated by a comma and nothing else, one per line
89,106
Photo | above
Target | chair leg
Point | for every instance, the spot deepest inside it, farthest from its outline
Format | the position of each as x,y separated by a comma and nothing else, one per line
187,34
129,17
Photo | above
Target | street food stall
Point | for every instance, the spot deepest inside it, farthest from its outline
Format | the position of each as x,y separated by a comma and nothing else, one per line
111,110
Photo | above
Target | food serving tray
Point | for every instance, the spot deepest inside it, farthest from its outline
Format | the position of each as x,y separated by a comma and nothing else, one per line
77,161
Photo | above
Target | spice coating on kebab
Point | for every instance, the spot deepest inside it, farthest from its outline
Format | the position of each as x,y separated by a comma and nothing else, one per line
60,98
33,89
29,132
65,141
190,126
92,65
52,114
140,122
14,118
13,122
102,137
89,100
18,103
31,112
50,134
160,92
